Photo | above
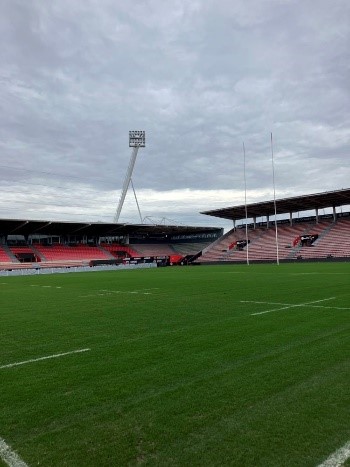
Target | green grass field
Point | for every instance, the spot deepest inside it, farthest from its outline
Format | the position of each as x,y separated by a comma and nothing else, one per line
196,366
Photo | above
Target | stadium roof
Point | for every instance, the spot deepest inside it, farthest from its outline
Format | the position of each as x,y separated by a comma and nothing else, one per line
285,205
98,229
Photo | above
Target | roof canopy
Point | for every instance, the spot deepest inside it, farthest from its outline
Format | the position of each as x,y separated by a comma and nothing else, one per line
284,205
99,229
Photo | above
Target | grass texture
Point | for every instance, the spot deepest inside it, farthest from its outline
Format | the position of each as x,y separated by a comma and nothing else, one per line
181,372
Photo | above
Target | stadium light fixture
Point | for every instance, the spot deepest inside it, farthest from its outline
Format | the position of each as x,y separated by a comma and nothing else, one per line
137,139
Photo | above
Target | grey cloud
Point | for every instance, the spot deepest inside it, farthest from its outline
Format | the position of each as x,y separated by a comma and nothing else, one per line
199,77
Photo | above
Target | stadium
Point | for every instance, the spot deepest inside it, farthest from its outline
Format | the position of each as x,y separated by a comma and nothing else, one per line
34,245
141,358
196,312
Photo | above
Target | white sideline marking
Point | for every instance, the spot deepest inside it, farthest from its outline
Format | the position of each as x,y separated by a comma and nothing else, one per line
286,306
46,286
9,456
338,458
10,365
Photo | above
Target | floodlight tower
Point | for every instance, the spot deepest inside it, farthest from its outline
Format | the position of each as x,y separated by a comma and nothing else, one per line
137,139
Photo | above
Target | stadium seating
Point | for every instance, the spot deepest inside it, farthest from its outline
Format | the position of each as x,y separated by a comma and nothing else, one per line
185,249
23,251
333,241
154,249
118,251
67,253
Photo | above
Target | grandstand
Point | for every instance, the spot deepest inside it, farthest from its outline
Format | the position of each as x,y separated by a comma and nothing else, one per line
38,244
45,244
333,242
317,237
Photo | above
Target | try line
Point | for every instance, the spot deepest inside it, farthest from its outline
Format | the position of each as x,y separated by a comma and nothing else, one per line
57,355
9,456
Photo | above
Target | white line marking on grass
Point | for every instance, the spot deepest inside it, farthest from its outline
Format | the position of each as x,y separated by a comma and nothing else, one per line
141,291
9,456
318,273
286,306
338,458
231,272
292,305
104,292
57,355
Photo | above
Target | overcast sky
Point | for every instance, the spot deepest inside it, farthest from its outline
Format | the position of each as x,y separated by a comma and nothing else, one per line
199,76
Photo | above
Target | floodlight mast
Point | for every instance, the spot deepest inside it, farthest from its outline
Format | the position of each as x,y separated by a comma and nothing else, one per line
137,140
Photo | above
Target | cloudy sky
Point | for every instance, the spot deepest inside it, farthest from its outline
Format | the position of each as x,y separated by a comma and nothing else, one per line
199,76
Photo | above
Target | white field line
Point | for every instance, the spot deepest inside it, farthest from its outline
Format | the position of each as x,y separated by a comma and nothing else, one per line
9,456
318,273
338,458
292,305
231,272
104,292
46,286
57,355
286,306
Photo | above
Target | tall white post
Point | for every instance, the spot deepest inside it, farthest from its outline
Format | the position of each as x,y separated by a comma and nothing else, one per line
274,201
245,204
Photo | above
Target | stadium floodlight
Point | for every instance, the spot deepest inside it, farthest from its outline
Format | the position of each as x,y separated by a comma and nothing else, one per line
137,139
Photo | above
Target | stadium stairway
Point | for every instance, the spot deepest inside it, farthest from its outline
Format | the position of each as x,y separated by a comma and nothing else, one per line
38,253
4,257
106,252
9,253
